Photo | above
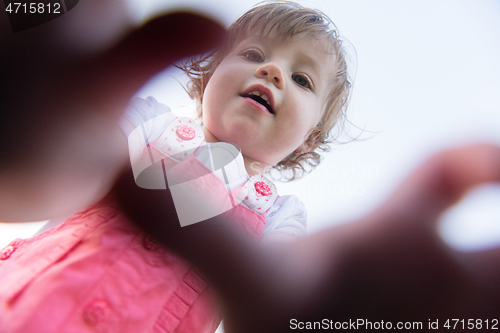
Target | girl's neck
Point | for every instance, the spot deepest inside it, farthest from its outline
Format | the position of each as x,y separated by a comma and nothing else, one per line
209,137
252,166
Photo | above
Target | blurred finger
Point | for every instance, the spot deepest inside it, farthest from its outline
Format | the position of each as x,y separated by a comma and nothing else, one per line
115,76
442,181
62,152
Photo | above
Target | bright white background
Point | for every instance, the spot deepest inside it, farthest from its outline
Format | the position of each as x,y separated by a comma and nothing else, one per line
427,78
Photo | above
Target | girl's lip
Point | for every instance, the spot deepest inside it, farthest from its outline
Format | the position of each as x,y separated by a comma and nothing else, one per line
263,90
257,105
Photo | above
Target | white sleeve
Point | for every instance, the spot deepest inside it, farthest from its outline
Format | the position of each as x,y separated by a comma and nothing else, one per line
286,220
146,112
143,121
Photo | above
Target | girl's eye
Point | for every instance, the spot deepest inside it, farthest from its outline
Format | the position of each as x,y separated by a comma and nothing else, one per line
253,55
302,80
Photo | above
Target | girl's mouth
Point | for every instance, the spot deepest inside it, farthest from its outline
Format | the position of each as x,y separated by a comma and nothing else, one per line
261,99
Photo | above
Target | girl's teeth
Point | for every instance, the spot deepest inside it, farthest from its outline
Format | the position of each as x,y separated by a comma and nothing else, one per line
264,97
256,93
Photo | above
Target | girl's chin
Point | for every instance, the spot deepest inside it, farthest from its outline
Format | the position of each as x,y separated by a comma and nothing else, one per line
241,131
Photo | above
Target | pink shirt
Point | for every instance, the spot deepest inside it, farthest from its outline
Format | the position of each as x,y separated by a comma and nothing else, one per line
97,272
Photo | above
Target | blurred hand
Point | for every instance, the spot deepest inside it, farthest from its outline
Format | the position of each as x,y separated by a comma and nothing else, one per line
61,149
390,265
59,153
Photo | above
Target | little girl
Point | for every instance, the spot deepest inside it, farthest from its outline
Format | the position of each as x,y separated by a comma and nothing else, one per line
274,90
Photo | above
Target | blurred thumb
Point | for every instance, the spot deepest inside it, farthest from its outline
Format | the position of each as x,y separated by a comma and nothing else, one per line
117,74
443,180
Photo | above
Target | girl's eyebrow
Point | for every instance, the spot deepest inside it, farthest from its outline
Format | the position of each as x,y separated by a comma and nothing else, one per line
309,61
312,65
255,39
251,41
303,58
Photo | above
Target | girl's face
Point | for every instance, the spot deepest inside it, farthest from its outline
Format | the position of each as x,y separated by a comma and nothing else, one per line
267,93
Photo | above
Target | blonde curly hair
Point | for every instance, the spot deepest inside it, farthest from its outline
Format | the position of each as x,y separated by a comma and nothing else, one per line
286,19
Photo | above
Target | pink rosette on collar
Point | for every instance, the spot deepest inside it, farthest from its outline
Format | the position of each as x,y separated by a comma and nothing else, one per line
259,193
181,138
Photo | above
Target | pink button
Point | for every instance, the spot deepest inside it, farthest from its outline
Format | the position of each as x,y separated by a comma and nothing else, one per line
262,189
185,132
96,312
7,252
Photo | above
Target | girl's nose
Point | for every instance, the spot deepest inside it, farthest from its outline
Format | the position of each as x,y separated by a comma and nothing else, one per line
271,72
